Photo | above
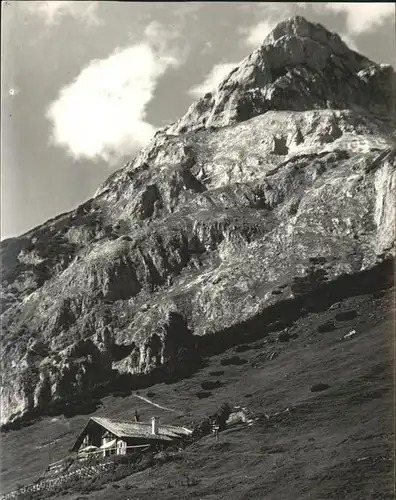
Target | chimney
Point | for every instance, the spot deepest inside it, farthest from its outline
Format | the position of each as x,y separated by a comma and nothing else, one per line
154,425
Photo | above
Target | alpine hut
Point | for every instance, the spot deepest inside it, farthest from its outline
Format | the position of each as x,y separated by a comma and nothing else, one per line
108,437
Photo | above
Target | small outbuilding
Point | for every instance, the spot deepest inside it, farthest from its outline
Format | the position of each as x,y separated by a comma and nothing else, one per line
104,436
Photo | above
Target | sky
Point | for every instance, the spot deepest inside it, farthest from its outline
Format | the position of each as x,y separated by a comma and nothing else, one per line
85,85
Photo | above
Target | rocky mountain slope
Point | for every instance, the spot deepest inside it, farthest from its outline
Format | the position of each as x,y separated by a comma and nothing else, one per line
320,398
271,189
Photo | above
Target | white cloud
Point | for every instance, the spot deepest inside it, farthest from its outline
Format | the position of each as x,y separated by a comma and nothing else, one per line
363,16
163,40
159,37
101,114
52,11
212,80
257,33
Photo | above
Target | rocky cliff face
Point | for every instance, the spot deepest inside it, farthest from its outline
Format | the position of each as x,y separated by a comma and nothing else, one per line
275,185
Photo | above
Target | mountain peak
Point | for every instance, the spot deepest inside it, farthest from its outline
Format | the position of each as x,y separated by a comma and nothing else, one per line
300,66
301,27
314,35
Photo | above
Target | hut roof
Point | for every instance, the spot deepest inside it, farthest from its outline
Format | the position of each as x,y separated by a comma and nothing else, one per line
140,430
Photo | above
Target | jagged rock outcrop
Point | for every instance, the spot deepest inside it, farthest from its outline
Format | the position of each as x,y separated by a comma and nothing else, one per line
278,182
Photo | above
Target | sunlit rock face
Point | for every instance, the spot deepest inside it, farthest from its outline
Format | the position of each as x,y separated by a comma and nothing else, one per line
279,182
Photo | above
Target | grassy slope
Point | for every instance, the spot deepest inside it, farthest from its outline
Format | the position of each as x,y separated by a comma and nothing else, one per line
311,452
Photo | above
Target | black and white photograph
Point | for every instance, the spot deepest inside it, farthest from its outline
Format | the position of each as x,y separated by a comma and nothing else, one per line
197,250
